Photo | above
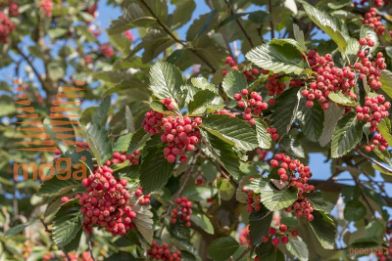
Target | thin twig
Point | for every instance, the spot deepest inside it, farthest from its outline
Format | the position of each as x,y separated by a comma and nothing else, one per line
90,248
51,237
272,27
170,33
30,63
238,22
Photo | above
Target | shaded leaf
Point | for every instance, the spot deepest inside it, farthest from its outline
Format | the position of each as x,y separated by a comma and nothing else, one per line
346,136
222,248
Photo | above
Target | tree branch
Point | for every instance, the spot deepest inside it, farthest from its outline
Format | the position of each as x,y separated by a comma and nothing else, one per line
331,186
238,22
272,27
170,33
30,63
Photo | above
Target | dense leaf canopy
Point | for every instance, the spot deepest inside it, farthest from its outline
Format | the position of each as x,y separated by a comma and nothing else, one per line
185,130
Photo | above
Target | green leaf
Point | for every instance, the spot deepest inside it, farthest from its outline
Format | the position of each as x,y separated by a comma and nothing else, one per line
386,82
234,82
291,5
371,235
155,171
331,118
385,129
133,15
347,135
263,136
312,121
367,32
55,71
7,105
299,36
259,223
232,130
326,23
203,84
269,252
341,99
183,12
55,186
165,80
122,143
285,110
354,210
139,138
297,247
226,190
324,228
66,224
120,42
277,58
225,155
97,138
222,248
18,229
203,222
203,101
275,199
284,42
144,223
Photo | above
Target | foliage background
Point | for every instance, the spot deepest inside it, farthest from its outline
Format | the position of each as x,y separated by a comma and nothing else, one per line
112,76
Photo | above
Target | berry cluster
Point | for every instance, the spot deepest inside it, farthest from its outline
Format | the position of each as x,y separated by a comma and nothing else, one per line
296,83
292,171
250,74
370,70
244,236
280,235
168,103
71,256
46,7
92,9
378,3
13,9
106,202
180,134
274,85
129,36
152,122
182,212
106,50
226,112
163,252
298,175
6,27
274,133
88,59
377,141
261,154
231,62
200,180
329,78
302,208
373,111
253,201
143,200
119,157
252,104
373,20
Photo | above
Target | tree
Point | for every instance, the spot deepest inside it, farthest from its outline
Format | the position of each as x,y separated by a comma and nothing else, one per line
189,138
